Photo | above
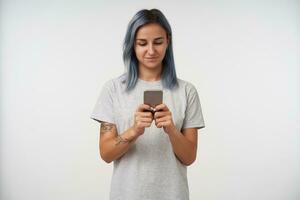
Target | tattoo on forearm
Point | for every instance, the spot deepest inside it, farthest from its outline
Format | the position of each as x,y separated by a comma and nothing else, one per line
106,127
120,140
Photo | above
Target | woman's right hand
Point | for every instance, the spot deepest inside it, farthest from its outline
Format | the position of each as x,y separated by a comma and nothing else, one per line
142,119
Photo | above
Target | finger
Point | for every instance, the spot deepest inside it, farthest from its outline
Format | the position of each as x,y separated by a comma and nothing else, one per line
160,114
162,119
146,124
143,107
144,114
147,120
138,116
160,125
142,124
161,107
143,119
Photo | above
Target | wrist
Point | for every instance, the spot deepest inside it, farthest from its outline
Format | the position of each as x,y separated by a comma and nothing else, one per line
132,134
171,130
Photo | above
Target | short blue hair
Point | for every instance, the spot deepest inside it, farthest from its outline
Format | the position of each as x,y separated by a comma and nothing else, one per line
141,18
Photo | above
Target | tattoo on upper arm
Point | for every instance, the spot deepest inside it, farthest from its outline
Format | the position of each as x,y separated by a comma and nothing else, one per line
106,127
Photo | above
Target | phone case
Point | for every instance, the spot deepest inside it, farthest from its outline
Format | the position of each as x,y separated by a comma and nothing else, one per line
153,97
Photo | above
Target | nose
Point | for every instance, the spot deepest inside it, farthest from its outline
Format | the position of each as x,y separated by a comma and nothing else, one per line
151,49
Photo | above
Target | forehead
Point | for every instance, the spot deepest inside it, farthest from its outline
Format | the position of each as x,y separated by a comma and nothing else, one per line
149,31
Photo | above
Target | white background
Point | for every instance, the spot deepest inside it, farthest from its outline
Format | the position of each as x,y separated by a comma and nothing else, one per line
243,57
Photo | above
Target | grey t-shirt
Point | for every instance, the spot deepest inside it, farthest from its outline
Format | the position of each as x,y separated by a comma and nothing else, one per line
149,170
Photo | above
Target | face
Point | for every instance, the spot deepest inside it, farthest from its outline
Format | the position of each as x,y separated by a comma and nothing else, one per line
150,45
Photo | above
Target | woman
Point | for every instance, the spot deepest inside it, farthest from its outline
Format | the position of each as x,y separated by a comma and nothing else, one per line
150,150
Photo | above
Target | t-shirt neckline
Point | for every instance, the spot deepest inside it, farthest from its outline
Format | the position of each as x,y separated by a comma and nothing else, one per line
158,82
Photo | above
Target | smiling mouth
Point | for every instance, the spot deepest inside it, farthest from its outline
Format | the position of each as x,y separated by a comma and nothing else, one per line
153,58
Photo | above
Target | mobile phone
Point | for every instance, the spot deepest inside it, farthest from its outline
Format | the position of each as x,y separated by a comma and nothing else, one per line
153,97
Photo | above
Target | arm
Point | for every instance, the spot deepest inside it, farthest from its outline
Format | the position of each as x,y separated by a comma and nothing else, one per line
112,146
184,143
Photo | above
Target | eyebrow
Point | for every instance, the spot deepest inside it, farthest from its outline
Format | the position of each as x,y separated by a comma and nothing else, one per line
146,40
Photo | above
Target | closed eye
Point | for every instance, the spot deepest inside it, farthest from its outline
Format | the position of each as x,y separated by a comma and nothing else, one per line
144,44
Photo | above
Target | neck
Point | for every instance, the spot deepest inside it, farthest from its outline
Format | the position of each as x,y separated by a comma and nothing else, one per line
147,74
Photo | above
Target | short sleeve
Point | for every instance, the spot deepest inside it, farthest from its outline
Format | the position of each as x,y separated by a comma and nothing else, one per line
193,113
103,110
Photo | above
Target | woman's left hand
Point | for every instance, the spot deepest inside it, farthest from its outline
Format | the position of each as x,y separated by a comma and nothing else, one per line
163,118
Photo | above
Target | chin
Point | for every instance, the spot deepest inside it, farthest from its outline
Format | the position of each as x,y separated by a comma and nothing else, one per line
152,65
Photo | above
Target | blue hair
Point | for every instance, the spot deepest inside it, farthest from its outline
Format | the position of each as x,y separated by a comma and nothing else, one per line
141,18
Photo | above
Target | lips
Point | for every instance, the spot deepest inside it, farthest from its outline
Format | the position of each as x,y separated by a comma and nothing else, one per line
151,58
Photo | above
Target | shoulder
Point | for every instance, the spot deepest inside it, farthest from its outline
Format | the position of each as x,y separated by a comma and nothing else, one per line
187,86
115,83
